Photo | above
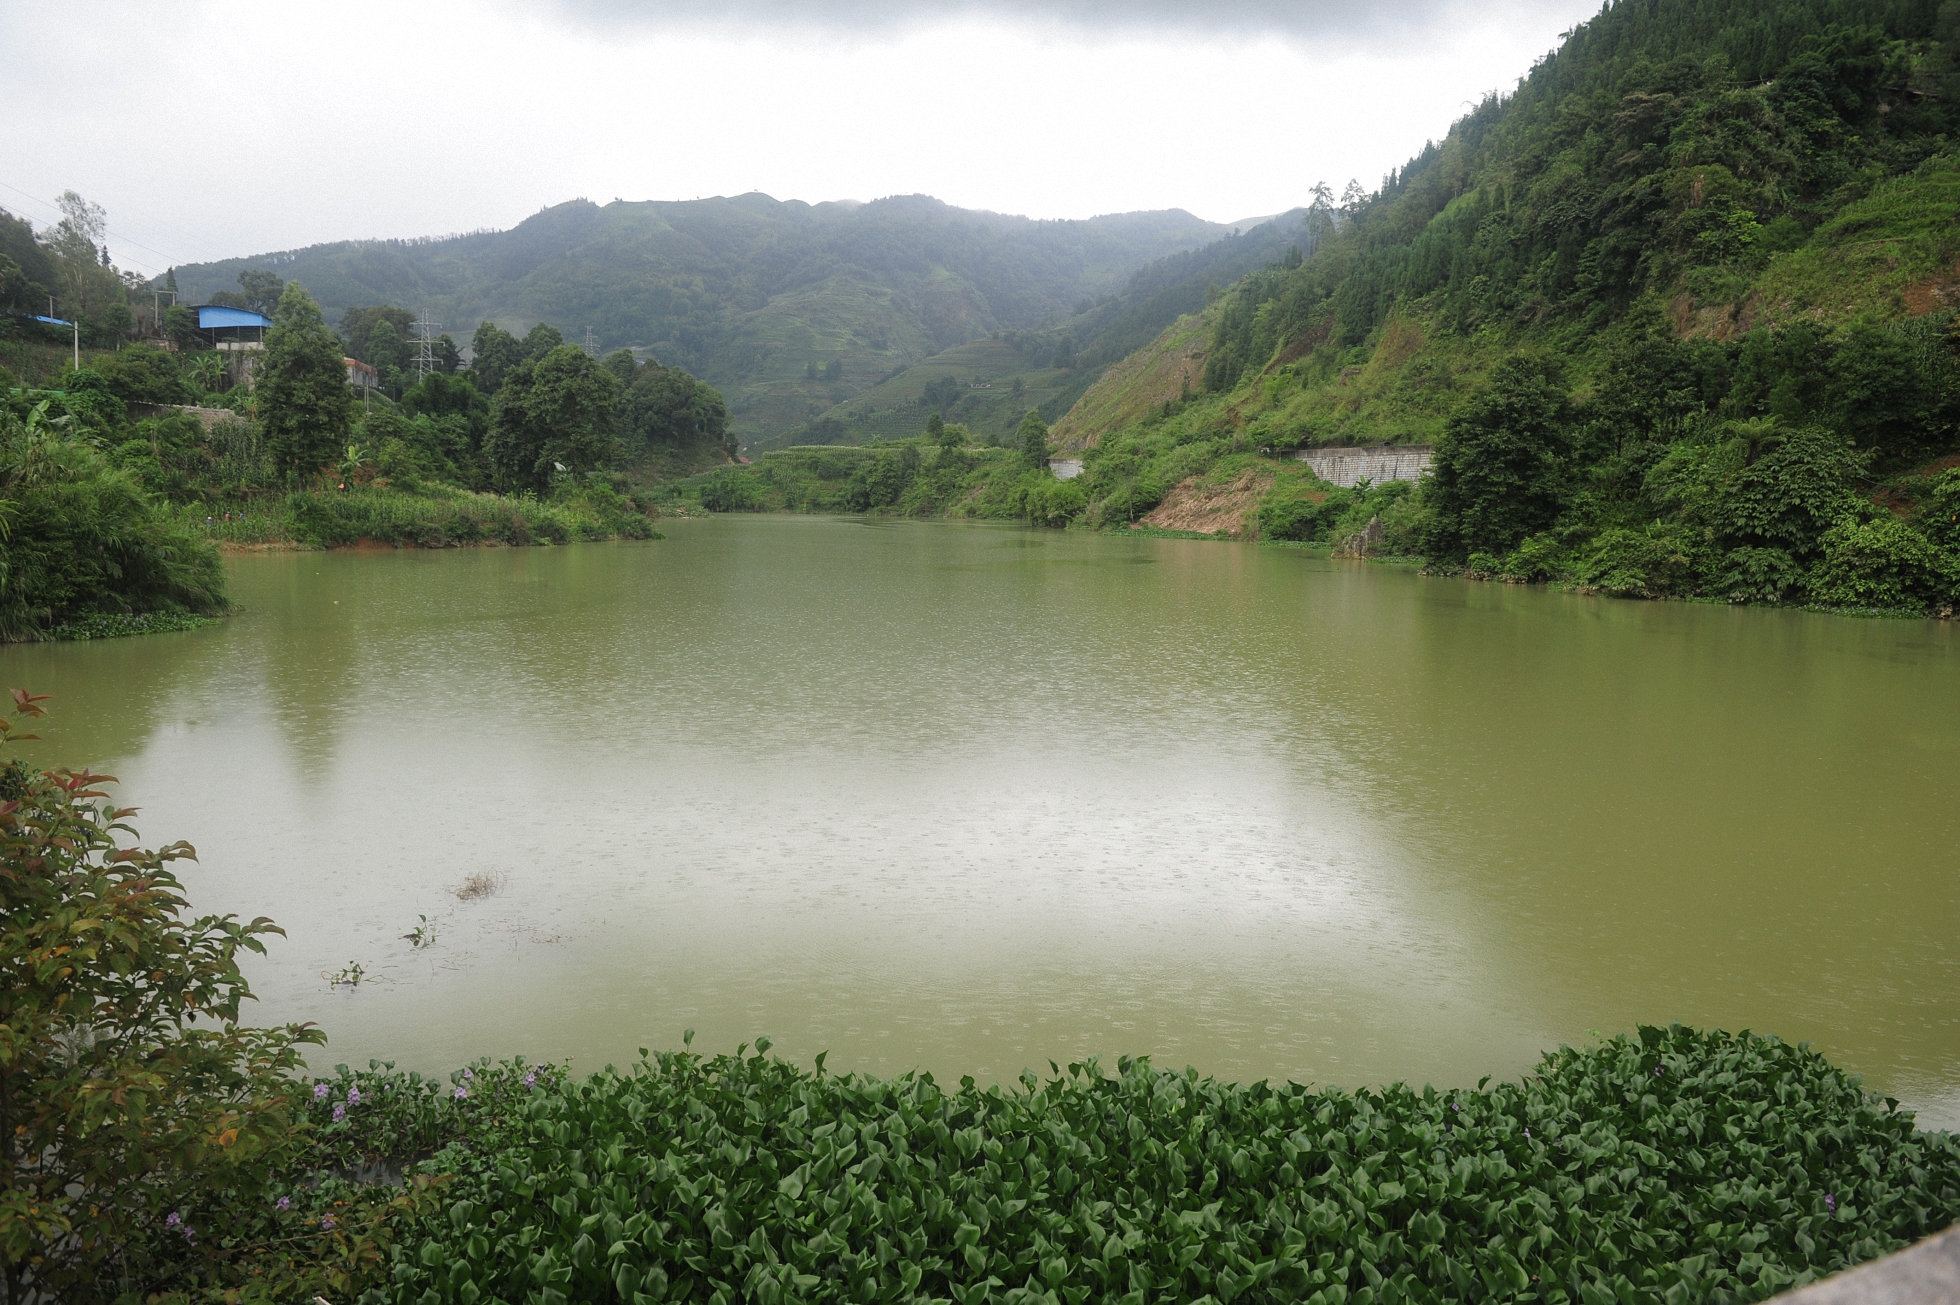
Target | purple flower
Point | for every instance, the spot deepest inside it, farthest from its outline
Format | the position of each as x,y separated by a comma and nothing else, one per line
1456,1107
319,1091
353,1096
1659,1069
531,1079
326,1221
1830,1202
176,1220
471,1077
461,1093
284,1203
339,1113
1527,1132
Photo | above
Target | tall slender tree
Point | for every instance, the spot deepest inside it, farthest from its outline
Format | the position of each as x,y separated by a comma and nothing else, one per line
304,407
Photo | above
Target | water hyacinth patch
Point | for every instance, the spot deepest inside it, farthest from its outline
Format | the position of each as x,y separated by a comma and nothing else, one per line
1750,1166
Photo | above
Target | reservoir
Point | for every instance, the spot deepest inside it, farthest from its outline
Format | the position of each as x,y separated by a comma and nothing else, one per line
972,798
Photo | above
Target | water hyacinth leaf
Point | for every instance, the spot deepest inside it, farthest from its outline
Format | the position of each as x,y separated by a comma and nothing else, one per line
745,1177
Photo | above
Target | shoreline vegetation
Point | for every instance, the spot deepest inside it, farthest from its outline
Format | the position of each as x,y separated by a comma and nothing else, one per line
122,480
1868,558
161,1152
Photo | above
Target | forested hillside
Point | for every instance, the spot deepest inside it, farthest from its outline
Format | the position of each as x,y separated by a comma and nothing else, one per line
789,308
1676,314
989,385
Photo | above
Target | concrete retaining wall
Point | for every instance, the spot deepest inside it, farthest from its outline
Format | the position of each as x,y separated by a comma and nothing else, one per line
1065,468
1345,466
1925,1274
207,417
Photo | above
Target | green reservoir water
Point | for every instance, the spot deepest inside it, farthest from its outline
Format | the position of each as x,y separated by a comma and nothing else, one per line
972,798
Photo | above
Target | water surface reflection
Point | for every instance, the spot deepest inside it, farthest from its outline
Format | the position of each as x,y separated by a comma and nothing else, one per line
975,798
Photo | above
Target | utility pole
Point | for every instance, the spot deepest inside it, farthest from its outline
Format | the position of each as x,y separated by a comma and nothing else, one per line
591,346
425,345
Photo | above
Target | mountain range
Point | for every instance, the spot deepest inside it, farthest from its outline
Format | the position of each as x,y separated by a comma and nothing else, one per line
790,308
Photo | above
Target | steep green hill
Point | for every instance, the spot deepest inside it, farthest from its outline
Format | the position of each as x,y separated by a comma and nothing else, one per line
989,385
1676,314
750,293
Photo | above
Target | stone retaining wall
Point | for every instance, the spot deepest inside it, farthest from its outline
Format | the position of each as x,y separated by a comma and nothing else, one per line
1345,466
207,417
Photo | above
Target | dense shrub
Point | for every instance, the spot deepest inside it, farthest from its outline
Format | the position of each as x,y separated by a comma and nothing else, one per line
82,537
1885,564
1652,563
1054,502
1674,1164
143,373
731,492
1498,470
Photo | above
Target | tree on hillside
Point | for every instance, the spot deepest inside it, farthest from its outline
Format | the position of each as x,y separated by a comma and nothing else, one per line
386,350
143,373
541,339
1499,466
258,291
665,408
304,408
621,363
180,327
26,289
358,324
552,415
87,283
494,351
1032,439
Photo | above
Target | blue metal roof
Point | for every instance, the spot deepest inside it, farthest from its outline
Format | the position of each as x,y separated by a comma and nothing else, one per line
215,315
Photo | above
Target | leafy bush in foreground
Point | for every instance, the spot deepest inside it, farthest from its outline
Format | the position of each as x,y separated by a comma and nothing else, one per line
130,1094
1672,1165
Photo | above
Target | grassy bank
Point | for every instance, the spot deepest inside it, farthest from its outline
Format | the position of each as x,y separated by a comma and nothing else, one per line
1663,1166
911,478
432,517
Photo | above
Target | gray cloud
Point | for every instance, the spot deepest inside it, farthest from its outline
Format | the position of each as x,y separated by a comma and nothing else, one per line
1339,20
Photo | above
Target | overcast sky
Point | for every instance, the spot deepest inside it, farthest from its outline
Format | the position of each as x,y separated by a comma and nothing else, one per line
212,130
